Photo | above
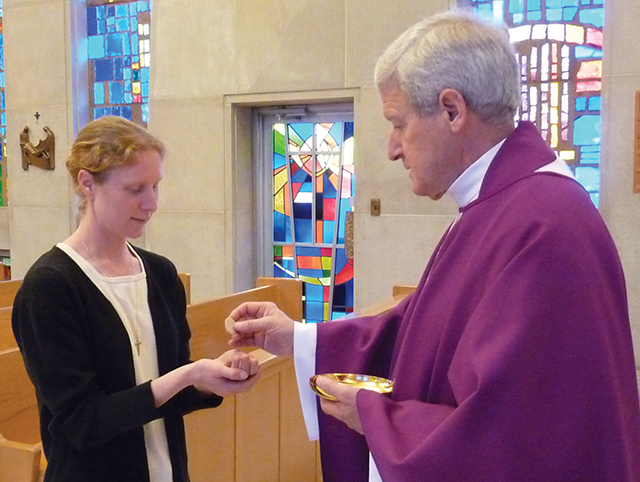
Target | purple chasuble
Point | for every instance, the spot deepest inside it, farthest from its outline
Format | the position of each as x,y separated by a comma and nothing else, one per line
512,361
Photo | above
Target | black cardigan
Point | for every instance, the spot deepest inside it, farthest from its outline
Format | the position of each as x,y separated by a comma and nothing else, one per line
77,353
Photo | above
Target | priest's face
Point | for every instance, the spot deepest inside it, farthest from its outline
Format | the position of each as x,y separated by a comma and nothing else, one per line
422,143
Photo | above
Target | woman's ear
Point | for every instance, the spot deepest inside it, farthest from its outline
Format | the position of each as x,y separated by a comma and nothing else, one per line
86,183
454,105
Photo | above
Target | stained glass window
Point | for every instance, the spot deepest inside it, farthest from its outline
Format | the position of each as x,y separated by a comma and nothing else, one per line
119,57
313,184
559,50
3,122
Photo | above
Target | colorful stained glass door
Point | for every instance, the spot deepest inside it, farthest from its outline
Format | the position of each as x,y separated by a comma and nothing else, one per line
313,188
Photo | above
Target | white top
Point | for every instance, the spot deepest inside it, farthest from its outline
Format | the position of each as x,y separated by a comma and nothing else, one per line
128,295
464,190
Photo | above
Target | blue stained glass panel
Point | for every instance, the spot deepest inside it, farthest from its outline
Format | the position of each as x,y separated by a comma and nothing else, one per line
145,89
569,3
278,160
118,68
594,16
144,74
569,14
143,6
127,84
327,234
122,10
534,16
96,47
111,11
128,97
2,100
103,69
595,103
281,227
102,26
554,14
516,6
114,45
533,5
583,52
101,12
314,311
126,112
98,93
314,292
92,27
3,119
111,21
554,3
91,13
589,177
133,9
587,130
123,25
581,103
116,93
1,79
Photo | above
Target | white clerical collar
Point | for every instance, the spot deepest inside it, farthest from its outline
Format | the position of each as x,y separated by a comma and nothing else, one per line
467,187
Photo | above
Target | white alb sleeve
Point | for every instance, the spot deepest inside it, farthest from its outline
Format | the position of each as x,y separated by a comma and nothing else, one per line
304,359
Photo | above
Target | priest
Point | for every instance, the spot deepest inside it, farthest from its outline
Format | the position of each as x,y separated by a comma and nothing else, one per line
513,359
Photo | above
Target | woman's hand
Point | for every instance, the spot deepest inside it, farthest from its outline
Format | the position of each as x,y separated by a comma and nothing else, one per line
232,372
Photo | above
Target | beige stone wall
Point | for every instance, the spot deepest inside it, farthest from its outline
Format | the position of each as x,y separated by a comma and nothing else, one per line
619,205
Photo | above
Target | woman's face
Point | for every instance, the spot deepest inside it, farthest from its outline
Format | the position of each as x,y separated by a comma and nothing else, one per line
124,202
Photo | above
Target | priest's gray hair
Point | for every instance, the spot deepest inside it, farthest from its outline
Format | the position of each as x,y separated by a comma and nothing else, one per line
456,50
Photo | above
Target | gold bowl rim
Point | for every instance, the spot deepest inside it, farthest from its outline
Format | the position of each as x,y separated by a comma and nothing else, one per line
368,382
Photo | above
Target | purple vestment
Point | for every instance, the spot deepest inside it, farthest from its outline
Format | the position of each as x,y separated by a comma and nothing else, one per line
513,359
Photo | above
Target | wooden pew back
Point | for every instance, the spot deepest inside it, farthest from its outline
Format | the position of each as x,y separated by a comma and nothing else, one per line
8,290
19,462
258,435
6,333
19,420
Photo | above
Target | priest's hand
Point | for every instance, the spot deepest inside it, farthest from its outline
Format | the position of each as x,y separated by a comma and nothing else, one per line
344,409
262,324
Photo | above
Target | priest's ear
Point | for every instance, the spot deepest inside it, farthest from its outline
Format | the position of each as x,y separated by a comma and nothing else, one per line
455,108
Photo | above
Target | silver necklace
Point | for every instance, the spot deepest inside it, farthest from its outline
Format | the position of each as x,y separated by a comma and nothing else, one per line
134,326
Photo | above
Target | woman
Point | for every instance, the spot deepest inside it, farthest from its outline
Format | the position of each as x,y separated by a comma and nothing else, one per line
102,327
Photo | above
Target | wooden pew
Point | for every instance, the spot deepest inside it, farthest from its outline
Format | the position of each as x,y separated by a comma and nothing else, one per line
19,422
258,435
8,290
19,462
6,333
186,282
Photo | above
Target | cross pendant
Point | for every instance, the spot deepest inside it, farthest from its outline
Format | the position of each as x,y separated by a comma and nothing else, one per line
138,343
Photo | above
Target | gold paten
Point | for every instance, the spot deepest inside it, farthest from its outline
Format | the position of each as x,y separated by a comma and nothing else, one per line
368,382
